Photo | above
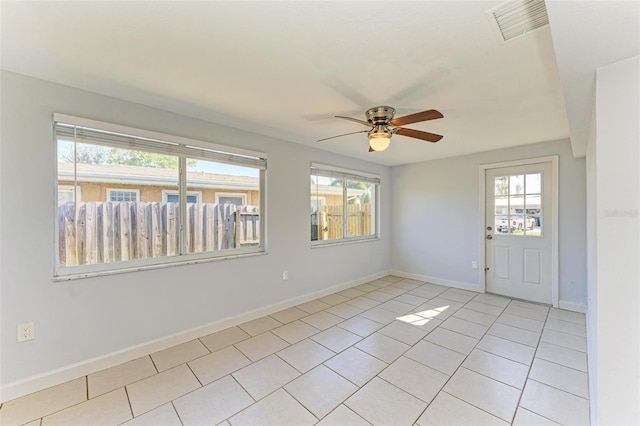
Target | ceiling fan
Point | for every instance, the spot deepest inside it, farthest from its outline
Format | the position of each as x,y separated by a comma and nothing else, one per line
383,126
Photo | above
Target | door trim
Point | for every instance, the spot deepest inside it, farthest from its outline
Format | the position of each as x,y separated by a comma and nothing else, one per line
554,160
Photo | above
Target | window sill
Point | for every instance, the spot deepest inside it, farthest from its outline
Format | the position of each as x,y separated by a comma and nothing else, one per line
331,243
90,274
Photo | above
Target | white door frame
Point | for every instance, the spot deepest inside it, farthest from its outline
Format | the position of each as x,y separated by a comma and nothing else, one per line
554,218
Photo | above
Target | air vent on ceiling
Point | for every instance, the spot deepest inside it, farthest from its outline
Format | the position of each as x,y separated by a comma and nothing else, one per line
515,18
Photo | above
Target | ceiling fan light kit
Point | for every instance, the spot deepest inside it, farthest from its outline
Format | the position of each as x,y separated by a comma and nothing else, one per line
383,126
379,141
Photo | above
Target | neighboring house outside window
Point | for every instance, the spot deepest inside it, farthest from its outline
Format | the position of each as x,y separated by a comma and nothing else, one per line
130,217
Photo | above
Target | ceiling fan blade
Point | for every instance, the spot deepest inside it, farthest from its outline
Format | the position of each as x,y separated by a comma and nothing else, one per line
345,134
431,114
366,123
418,134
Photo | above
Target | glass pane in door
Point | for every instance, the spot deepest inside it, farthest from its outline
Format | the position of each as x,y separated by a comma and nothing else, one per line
518,206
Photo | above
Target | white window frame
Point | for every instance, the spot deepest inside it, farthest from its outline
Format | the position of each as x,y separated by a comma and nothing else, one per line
72,189
183,148
347,174
232,194
167,192
135,191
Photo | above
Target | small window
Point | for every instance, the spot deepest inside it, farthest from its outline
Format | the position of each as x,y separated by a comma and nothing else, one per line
229,198
174,197
141,222
115,195
344,204
67,194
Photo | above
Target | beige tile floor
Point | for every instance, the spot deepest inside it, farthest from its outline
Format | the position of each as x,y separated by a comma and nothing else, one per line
390,352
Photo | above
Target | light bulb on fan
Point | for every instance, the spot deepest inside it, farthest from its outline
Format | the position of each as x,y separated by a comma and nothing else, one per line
379,141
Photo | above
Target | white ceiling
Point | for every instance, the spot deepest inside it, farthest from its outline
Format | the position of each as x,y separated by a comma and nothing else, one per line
283,69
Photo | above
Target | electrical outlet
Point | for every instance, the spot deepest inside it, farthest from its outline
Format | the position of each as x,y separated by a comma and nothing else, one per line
474,264
26,331
285,275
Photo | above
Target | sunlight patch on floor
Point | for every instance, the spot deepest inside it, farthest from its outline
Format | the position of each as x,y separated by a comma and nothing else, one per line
422,317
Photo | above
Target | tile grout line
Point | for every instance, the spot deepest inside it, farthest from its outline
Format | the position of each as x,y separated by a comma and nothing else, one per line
348,408
529,370
270,393
175,410
194,374
154,364
556,388
332,350
205,346
562,365
408,393
299,402
245,391
346,378
460,365
474,406
568,349
492,378
175,366
500,356
538,414
126,392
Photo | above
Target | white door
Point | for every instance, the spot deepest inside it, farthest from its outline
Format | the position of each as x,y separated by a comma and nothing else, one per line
519,231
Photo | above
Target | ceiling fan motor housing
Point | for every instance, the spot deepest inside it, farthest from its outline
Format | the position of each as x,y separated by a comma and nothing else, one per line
380,115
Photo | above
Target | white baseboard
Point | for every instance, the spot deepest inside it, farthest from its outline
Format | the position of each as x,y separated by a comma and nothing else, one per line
570,306
64,374
439,281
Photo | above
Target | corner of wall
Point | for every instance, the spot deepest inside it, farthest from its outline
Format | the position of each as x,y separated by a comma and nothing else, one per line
439,281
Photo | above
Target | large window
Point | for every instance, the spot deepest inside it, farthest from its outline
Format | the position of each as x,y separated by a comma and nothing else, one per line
149,199
344,204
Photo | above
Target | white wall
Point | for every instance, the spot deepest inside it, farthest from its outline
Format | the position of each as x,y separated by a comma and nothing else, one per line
614,308
592,268
83,319
436,216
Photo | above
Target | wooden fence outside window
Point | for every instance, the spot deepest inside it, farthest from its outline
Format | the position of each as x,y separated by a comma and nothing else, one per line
102,232
327,221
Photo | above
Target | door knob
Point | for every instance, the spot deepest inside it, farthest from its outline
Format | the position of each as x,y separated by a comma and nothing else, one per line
489,237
